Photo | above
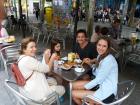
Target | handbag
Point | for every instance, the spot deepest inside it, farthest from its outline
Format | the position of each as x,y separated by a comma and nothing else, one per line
20,80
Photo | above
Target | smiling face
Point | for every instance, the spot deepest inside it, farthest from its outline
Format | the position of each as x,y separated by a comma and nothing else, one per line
30,49
81,38
57,47
102,46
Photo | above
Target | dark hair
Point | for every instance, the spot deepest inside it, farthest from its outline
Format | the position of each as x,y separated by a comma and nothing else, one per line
54,42
25,42
117,21
107,39
81,31
104,30
97,29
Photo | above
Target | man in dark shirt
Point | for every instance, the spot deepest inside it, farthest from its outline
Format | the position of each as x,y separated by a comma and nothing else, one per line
89,51
83,47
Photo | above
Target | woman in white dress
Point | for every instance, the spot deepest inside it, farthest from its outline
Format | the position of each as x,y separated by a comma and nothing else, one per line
37,86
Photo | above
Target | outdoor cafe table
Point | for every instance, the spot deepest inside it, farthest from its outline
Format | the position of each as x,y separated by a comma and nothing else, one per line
71,75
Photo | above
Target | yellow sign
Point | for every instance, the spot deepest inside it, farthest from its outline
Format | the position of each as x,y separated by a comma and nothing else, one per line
49,15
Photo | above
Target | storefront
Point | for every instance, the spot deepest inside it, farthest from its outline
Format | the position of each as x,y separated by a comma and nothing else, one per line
61,12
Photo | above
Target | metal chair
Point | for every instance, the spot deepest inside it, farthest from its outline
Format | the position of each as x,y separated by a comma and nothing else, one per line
132,57
51,34
61,36
30,27
45,32
36,33
53,98
9,55
125,89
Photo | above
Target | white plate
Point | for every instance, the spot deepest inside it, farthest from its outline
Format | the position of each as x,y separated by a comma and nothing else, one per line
65,68
64,58
60,62
79,70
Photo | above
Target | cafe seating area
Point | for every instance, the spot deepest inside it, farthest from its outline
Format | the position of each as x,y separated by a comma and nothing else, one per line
69,76
43,38
124,89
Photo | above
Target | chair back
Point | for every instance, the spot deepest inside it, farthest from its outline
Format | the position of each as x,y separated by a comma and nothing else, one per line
11,52
30,26
36,33
125,89
14,90
35,29
9,55
132,57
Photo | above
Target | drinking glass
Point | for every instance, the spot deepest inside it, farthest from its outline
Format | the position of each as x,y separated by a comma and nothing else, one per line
133,38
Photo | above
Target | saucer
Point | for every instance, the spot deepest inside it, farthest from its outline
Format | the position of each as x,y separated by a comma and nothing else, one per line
79,69
64,58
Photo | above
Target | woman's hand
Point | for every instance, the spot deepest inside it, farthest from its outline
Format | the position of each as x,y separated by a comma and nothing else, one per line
90,61
47,53
54,57
51,61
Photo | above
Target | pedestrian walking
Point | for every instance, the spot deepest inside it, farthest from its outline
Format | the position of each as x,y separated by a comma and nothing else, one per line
37,13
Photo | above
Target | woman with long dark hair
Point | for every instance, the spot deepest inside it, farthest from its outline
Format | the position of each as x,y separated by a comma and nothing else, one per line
55,46
55,49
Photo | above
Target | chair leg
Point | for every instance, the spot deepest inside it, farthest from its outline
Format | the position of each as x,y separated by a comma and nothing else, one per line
58,102
38,37
64,44
6,70
44,38
123,60
33,35
48,38
125,63
30,30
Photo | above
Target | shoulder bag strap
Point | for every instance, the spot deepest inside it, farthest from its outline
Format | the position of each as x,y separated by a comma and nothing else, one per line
32,72
20,59
30,76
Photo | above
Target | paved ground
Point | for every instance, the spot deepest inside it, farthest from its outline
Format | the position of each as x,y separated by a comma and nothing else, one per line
131,72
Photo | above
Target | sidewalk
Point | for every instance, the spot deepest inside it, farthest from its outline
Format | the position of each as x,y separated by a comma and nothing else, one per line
126,31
